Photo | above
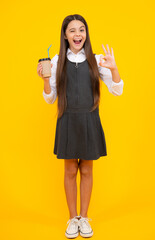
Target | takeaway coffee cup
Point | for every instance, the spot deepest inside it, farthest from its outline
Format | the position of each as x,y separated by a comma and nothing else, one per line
46,64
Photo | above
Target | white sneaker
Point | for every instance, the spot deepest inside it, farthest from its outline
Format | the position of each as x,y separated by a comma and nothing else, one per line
72,230
84,227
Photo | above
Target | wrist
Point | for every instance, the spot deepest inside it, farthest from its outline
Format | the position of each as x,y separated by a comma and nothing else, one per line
46,80
114,69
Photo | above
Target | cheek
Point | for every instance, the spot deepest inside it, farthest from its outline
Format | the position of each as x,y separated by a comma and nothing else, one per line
70,39
69,36
84,36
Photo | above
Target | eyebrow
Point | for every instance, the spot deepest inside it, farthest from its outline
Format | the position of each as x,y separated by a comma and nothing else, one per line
74,28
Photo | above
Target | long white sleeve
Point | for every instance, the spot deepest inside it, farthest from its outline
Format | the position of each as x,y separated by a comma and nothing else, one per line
106,76
51,97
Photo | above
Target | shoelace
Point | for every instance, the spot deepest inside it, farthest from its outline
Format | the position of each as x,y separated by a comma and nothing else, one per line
74,222
85,221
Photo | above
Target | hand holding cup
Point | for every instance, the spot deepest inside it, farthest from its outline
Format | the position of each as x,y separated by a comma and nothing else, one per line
40,71
44,67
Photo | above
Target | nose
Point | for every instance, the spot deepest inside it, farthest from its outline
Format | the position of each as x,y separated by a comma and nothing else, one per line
77,34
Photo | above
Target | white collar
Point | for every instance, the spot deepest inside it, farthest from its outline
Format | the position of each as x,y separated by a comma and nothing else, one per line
69,51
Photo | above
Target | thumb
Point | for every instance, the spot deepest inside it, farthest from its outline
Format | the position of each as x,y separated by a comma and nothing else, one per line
51,64
103,57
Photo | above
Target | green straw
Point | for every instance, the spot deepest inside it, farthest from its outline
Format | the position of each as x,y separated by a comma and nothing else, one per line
48,50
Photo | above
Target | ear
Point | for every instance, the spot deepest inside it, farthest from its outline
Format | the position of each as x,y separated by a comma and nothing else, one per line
65,37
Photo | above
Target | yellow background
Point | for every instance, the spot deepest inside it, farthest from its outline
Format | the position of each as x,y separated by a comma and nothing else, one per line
32,201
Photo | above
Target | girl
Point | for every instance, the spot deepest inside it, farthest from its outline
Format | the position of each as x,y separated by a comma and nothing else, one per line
79,133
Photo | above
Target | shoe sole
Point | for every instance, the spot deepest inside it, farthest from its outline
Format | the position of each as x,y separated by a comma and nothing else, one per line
86,235
71,235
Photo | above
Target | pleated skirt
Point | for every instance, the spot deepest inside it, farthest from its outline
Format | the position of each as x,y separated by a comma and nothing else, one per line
79,135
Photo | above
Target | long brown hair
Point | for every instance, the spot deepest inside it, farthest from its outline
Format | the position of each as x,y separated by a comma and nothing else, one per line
61,78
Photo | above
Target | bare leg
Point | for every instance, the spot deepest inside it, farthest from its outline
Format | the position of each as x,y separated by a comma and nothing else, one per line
86,184
71,169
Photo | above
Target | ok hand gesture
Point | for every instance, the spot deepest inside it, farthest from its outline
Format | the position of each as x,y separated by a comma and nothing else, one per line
109,59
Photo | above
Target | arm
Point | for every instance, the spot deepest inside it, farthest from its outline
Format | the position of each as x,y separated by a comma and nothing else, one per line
117,82
50,92
111,78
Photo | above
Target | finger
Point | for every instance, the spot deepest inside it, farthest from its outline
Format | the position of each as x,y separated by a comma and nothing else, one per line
39,69
112,52
108,49
103,57
104,65
104,49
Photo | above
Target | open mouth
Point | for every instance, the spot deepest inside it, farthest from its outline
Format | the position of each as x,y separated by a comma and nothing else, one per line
77,42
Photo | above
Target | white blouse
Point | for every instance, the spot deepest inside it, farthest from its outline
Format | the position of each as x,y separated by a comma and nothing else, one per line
105,75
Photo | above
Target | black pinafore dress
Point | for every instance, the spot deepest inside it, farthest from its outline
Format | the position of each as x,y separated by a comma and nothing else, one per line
79,133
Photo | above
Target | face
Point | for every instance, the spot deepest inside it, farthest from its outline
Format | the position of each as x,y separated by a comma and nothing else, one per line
75,31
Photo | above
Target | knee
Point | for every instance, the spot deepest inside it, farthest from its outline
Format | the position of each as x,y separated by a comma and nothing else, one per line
71,168
85,169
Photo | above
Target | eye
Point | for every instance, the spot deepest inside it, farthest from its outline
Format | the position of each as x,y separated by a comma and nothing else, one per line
80,30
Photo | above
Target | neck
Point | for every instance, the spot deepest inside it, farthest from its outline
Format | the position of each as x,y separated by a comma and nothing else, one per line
75,51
